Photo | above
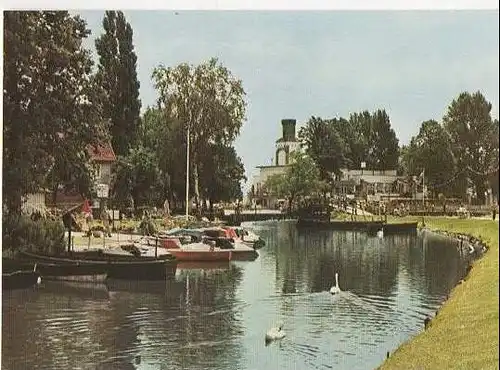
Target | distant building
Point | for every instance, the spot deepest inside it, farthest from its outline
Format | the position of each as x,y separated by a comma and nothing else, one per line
285,146
373,185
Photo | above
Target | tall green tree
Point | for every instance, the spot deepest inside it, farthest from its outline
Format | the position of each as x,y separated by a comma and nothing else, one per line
376,142
324,145
117,74
431,151
472,133
206,98
221,174
51,101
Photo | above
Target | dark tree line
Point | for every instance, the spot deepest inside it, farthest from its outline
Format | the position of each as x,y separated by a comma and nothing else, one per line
340,143
458,155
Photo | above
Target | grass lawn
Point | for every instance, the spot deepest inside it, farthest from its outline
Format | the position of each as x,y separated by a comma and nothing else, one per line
464,335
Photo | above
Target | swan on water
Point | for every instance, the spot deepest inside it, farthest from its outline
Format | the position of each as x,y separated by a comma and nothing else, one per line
335,289
380,233
275,333
39,280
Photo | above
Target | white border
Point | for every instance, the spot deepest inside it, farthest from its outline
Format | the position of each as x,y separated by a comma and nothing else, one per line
256,4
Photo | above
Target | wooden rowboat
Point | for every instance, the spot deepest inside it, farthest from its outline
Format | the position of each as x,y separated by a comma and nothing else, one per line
115,267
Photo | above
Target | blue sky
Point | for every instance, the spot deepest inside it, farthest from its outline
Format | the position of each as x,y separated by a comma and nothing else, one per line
295,64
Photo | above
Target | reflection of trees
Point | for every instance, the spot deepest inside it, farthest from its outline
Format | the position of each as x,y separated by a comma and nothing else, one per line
207,305
315,256
186,323
434,264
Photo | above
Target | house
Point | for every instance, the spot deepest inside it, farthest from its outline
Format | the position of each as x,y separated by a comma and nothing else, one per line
103,157
285,146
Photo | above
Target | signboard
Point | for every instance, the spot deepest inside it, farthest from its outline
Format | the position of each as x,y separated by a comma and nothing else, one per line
363,164
102,190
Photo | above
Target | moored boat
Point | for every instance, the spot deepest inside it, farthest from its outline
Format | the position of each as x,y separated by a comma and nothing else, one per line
248,237
21,279
59,271
201,252
126,267
226,238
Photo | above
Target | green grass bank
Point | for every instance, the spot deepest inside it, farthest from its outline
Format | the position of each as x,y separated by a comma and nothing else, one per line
464,335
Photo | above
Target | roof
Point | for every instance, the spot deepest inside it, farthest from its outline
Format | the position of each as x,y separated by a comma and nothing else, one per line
102,153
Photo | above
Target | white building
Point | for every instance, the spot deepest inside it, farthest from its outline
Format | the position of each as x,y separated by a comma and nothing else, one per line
285,146
375,184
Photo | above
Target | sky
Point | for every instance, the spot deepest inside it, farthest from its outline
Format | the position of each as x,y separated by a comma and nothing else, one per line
298,64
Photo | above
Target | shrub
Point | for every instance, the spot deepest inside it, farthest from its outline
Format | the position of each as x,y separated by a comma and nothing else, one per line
147,227
42,236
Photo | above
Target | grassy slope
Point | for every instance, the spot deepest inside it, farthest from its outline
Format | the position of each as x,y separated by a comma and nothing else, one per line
465,333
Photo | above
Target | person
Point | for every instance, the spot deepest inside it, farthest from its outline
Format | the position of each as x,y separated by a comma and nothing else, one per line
166,208
88,222
494,213
105,221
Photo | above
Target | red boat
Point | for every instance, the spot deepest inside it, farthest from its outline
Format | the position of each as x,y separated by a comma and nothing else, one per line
200,252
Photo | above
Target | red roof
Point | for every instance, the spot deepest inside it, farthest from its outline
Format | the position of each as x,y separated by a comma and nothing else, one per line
102,153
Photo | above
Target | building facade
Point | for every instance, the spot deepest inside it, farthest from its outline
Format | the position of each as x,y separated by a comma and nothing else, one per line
285,146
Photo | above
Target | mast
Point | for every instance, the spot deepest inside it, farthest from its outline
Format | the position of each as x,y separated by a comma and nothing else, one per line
187,174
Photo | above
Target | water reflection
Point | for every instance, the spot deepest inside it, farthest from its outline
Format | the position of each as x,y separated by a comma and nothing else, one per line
215,316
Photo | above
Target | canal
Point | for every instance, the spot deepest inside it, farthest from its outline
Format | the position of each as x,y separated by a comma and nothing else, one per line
217,318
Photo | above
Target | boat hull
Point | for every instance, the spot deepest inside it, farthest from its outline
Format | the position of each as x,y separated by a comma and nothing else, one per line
19,280
201,256
115,267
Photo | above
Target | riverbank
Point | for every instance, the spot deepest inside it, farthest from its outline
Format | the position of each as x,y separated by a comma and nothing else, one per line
464,335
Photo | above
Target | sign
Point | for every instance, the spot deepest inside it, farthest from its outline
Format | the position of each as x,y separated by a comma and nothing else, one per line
102,190
363,164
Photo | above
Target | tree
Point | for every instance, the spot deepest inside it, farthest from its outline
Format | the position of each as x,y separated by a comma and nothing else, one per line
431,151
51,101
324,145
472,134
221,174
117,73
208,100
301,178
376,142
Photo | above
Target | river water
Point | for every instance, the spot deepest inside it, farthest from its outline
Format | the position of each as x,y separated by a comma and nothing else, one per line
217,318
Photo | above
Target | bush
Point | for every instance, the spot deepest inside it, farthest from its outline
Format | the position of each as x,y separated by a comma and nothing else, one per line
147,227
42,236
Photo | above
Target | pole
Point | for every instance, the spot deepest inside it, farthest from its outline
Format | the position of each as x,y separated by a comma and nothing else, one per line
187,175
69,237
423,189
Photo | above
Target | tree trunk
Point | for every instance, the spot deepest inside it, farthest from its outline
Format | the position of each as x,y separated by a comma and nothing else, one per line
54,194
290,201
196,186
211,209
479,183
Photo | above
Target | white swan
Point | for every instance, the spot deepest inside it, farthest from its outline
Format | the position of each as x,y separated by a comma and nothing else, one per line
335,289
275,333
380,233
39,279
